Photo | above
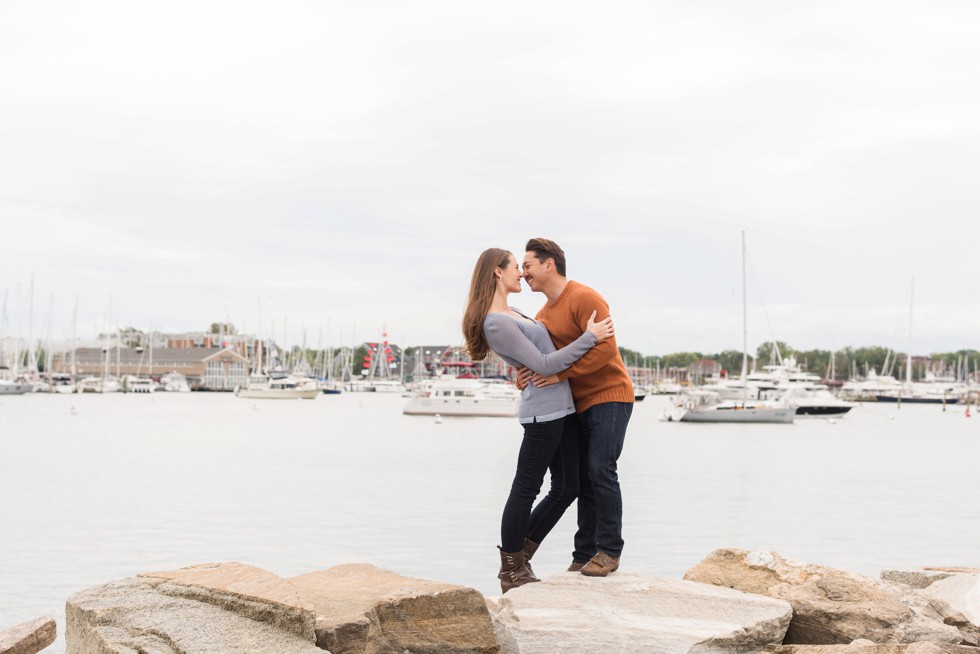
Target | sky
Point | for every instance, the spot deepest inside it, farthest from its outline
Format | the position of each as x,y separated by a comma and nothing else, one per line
327,170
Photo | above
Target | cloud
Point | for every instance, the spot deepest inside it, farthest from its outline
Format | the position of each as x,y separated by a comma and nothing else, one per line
346,164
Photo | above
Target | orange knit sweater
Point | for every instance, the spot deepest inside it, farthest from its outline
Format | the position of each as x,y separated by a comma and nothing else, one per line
600,375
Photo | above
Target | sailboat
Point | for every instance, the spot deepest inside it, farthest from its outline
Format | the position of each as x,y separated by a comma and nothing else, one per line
707,406
931,390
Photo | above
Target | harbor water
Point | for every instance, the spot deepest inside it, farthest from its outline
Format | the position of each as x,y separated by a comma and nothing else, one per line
95,488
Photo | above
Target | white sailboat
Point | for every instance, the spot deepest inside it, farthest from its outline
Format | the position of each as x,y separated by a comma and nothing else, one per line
706,406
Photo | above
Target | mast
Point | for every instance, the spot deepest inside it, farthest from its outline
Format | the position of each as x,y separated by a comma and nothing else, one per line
74,322
31,355
3,331
150,374
745,330
908,358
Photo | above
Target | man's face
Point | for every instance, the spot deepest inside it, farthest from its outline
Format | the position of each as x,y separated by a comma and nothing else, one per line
534,271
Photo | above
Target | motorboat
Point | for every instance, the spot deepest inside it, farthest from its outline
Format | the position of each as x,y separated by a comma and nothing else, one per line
761,384
288,387
329,387
450,396
98,385
10,386
665,387
61,382
174,382
388,386
813,400
500,388
134,384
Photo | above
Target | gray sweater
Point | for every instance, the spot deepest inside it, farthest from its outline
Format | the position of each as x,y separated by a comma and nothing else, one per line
527,343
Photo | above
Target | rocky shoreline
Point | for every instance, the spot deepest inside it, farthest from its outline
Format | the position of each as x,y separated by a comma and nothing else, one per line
733,601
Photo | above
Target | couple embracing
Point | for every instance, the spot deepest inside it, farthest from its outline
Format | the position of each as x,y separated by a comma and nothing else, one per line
576,402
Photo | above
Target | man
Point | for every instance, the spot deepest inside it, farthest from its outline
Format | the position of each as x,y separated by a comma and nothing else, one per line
603,394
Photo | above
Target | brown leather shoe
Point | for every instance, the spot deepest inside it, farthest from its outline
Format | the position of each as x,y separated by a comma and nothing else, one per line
530,547
601,565
513,571
576,566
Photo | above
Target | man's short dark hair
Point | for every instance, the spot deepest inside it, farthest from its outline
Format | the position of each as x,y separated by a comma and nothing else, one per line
545,249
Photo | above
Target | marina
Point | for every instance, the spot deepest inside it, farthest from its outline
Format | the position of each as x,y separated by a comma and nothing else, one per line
135,482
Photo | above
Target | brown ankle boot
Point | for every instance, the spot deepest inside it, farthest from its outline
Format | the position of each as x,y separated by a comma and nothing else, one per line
530,547
513,571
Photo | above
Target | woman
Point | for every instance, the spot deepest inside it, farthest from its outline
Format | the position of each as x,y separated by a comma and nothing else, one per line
550,436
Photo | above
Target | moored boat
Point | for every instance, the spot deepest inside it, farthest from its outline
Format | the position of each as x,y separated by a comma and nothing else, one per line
707,406
264,387
449,396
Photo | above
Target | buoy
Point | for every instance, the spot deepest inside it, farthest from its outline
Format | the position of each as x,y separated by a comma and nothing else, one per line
75,413
438,419
967,410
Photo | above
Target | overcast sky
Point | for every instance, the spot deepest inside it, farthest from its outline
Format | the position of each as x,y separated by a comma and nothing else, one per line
338,166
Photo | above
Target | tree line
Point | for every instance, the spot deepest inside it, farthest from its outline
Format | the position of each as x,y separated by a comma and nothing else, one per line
847,362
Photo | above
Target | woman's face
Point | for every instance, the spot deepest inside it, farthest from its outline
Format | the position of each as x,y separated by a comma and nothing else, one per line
510,275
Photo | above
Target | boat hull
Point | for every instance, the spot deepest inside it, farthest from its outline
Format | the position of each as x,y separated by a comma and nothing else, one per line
15,389
426,406
916,400
747,415
279,394
822,410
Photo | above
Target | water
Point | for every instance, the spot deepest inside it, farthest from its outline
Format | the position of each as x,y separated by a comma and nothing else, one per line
95,488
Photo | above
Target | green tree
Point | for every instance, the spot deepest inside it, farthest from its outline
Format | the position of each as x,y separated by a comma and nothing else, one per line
222,328
731,360
767,355
681,359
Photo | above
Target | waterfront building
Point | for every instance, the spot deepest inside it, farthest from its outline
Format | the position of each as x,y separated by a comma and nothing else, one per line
205,368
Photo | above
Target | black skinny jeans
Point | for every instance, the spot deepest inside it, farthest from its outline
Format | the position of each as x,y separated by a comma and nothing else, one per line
552,445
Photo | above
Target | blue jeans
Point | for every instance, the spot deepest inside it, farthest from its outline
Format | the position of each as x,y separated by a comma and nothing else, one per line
600,501
554,446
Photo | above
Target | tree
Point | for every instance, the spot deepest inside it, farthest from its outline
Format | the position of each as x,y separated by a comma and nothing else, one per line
766,352
130,336
222,328
731,360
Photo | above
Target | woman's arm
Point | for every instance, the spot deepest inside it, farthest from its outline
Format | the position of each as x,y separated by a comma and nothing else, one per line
506,338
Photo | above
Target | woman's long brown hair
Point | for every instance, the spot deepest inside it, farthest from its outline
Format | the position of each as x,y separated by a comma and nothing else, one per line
482,287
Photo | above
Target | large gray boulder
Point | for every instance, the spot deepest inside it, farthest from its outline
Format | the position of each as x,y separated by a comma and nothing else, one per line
958,587
833,606
28,637
231,607
572,613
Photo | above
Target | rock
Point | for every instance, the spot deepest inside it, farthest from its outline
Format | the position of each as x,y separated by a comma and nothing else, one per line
624,612
137,615
28,637
910,648
231,607
361,608
913,578
959,587
244,590
833,606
